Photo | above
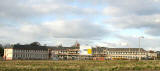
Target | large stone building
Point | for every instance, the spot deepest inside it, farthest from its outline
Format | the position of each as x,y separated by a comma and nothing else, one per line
26,52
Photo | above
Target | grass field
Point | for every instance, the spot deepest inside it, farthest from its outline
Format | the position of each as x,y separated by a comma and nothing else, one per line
46,65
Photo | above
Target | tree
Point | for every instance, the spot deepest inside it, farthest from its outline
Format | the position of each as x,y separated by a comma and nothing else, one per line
35,44
17,44
1,50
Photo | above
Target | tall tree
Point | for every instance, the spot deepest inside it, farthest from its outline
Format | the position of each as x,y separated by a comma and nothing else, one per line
1,50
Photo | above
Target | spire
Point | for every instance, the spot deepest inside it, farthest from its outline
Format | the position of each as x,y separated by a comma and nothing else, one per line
76,44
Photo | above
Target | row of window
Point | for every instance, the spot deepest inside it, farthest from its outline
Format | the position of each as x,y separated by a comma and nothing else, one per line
68,52
30,55
142,53
30,51
125,56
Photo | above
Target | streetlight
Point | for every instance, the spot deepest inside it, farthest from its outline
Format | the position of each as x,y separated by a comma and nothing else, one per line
140,45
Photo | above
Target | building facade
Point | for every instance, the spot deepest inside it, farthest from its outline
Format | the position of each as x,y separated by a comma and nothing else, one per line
153,55
99,53
64,53
126,53
30,52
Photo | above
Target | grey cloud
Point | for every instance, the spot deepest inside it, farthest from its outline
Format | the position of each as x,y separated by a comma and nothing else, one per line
128,7
138,7
135,14
9,34
154,31
60,29
28,9
75,29
135,21
149,22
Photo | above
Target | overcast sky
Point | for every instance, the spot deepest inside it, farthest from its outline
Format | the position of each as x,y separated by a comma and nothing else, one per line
110,23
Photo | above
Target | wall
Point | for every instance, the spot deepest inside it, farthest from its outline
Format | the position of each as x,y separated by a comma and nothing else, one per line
8,54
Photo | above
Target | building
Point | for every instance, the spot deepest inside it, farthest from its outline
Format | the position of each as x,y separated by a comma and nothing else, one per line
104,53
99,53
158,55
35,52
126,53
26,52
64,53
152,55
85,53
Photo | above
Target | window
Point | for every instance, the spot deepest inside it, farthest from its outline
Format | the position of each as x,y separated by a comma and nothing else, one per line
15,55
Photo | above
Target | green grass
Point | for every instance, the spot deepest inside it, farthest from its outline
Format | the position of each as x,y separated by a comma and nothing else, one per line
47,65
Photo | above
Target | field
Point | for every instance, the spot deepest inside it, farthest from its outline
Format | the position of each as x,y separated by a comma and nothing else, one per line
46,65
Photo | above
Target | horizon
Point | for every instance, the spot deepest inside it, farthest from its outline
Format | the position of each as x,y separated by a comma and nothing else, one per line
61,45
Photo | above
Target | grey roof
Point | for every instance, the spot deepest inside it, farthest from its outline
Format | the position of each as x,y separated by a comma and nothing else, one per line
126,49
29,47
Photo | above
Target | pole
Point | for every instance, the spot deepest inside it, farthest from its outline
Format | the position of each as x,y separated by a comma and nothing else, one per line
139,47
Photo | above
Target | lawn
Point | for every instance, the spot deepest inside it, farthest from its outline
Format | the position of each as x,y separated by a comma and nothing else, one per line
48,65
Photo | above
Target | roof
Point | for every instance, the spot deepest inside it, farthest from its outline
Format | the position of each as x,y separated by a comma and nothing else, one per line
29,47
126,49
62,48
99,48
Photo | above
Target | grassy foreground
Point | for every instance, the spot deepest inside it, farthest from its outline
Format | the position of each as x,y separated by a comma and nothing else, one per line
46,65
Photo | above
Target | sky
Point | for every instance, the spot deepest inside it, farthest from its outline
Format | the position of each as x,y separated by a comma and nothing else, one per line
109,23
